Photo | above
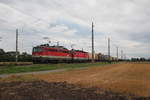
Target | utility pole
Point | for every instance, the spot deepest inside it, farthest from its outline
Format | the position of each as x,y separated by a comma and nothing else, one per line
117,53
16,45
109,49
92,42
121,54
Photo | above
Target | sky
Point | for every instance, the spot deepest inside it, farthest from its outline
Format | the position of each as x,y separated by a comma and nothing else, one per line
125,22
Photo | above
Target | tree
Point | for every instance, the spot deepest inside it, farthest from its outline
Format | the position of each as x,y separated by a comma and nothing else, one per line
11,56
142,59
2,51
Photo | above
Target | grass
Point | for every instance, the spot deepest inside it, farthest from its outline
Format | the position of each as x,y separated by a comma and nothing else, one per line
43,67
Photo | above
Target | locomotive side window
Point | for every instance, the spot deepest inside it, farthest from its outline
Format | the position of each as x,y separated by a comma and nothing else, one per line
52,50
37,49
55,50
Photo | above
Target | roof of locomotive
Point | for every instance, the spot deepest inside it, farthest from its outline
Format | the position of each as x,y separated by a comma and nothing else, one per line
79,51
58,47
54,46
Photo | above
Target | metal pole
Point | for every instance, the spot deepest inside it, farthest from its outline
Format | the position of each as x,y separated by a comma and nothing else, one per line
92,42
121,54
16,45
109,49
117,52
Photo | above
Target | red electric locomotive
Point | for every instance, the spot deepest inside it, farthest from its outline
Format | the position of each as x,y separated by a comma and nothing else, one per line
80,56
54,54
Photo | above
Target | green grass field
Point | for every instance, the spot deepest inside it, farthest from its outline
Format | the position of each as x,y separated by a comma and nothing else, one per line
44,67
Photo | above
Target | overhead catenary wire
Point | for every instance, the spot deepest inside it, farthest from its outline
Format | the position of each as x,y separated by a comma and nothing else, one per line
37,19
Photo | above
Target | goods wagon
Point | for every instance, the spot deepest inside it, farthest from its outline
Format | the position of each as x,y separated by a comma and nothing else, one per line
80,56
96,58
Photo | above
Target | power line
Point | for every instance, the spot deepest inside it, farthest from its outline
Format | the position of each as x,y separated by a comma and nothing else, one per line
45,21
29,15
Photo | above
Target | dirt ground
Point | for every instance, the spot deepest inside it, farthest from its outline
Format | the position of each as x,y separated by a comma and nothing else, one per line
124,78
40,90
130,81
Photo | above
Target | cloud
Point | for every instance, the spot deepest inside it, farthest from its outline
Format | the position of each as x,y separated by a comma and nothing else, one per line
69,21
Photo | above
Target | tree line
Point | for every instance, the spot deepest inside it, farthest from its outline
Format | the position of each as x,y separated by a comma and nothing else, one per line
142,59
10,56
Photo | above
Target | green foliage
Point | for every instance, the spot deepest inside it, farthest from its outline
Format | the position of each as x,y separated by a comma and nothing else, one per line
44,67
10,56
142,59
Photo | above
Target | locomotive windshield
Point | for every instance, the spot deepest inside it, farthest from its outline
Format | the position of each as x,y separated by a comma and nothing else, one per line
35,49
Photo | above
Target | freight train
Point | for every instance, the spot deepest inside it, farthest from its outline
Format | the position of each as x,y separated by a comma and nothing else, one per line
56,54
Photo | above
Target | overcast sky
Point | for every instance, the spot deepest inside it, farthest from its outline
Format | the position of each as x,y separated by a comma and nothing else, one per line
126,22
